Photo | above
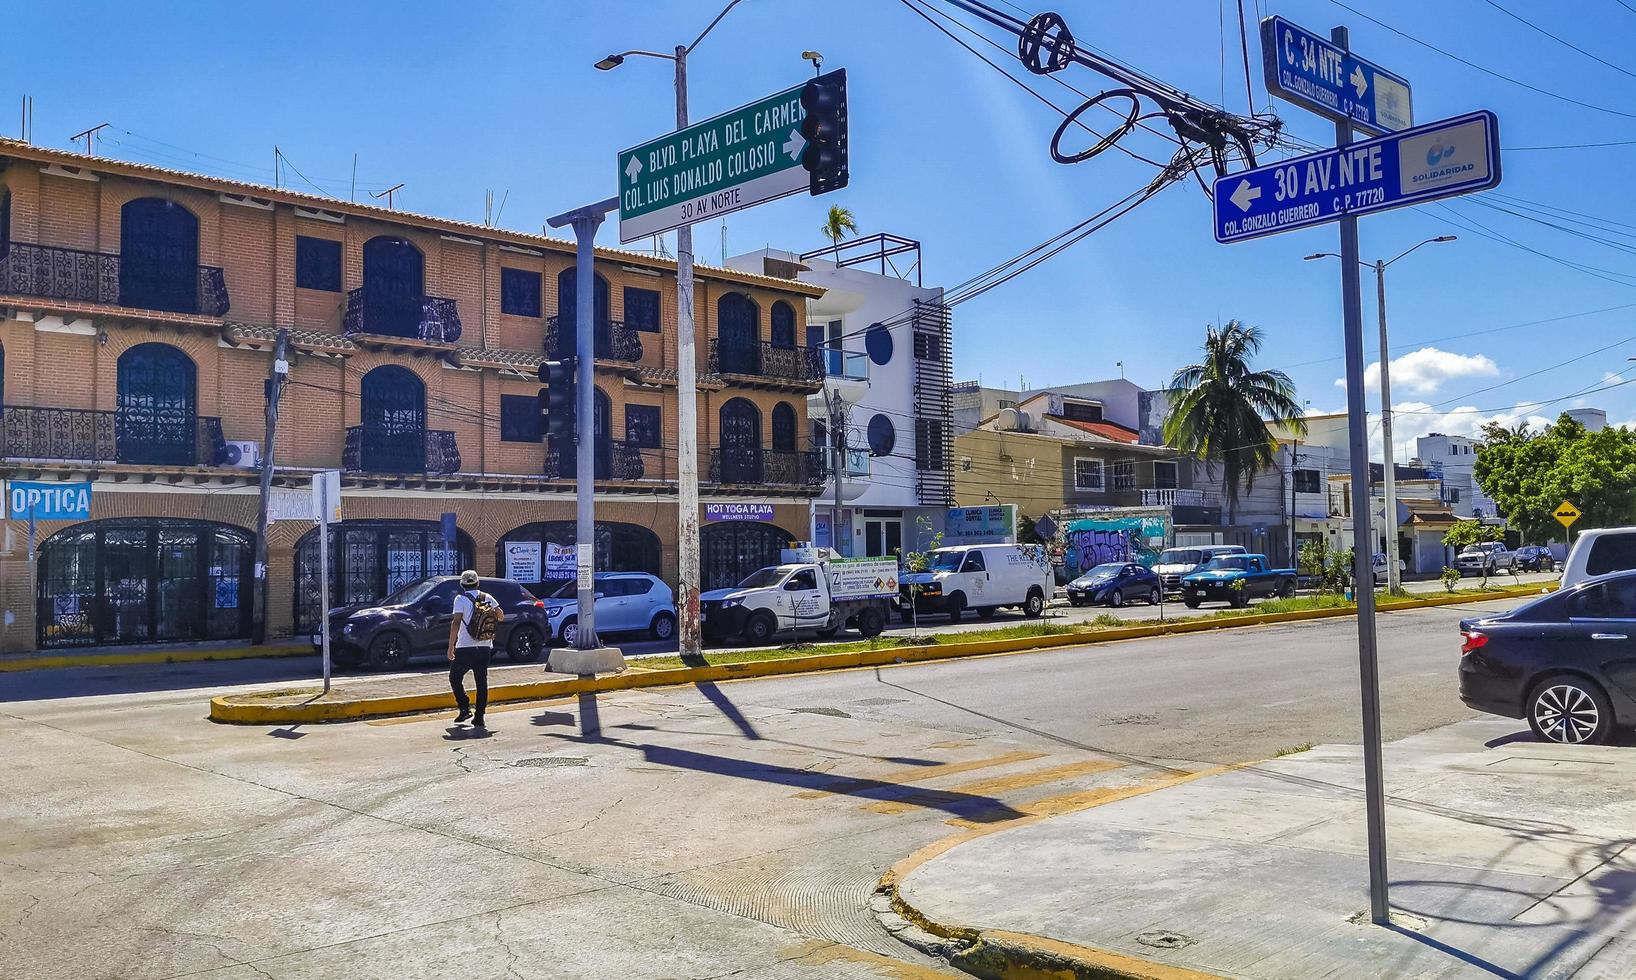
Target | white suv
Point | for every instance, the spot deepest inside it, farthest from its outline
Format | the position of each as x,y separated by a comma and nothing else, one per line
1489,557
1599,552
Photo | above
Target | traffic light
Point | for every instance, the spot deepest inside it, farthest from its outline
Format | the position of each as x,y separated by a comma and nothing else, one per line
556,399
824,99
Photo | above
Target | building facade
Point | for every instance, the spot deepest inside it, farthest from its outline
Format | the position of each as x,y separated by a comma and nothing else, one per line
139,308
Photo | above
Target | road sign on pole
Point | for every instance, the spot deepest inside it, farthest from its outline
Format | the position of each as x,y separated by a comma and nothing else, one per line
1441,159
723,164
1313,73
1566,514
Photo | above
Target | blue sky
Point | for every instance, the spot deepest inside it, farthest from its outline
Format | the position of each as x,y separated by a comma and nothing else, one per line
457,99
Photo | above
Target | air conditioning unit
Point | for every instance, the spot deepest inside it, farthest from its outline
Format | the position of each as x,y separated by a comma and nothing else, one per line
243,453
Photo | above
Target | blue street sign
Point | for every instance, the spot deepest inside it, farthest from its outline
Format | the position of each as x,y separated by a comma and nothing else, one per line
1441,159
1314,73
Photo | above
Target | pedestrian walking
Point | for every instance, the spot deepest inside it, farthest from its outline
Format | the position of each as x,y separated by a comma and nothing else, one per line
471,644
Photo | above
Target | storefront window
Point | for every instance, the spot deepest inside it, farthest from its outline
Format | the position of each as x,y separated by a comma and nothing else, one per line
370,559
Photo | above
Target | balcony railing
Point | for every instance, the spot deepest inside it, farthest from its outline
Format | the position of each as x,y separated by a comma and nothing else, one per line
762,360
1173,498
370,449
792,468
614,340
616,459
120,436
50,272
378,311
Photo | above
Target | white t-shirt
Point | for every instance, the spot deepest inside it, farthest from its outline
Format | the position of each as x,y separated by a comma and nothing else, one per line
466,611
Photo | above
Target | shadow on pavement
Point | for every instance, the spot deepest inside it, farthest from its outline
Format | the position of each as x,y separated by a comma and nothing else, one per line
724,704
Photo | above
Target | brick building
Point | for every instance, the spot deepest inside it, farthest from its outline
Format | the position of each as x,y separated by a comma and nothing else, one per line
138,311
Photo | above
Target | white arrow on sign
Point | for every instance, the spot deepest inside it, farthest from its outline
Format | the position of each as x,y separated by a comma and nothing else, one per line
633,168
1245,194
1360,81
794,144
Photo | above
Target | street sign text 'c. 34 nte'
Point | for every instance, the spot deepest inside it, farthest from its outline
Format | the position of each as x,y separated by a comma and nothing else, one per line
1316,74
1437,160
792,141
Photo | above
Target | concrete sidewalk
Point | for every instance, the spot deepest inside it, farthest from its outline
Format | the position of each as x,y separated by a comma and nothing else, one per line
1509,858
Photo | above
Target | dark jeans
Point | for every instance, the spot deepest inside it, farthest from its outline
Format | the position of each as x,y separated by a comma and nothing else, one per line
476,660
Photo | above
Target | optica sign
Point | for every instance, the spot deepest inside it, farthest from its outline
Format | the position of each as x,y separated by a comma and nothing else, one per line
49,501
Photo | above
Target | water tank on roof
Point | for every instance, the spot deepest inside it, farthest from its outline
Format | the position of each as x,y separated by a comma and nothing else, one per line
1007,419
1593,419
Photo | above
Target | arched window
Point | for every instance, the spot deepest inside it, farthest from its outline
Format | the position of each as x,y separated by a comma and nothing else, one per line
158,256
392,412
738,334
394,286
372,559
567,313
619,548
783,325
730,550
144,580
156,419
783,427
739,436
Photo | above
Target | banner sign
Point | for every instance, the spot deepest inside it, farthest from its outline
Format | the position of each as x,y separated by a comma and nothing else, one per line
559,561
738,512
1095,541
49,501
980,525
523,561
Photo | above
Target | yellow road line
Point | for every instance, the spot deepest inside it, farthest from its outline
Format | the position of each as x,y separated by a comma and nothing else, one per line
914,774
994,785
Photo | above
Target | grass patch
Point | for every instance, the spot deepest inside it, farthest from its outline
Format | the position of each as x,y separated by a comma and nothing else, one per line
1297,604
719,657
1292,750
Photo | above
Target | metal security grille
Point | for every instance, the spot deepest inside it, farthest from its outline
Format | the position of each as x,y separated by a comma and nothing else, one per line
159,256
731,550
740,439
156,421
371,559
393,403
394,285
934,415
737,335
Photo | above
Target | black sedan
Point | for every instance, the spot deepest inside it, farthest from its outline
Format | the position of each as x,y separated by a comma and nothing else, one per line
1114,584
1535,558
1565,661
414,621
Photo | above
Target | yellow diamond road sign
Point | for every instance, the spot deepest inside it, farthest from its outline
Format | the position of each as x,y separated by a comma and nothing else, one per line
1566,514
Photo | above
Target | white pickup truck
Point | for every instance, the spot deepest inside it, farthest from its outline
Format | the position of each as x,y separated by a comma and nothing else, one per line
820,596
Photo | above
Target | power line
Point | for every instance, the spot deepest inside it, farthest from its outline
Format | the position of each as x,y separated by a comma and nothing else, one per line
1571,146
1560,40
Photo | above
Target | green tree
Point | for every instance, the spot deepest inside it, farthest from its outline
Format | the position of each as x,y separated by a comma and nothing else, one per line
1464,534
1220,409
839,224
1530,473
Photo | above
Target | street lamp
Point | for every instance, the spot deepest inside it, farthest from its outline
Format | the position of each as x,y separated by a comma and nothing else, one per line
1394,580
687,389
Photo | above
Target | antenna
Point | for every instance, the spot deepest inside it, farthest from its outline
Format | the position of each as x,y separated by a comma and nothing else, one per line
724,242
502,208
87,135
27,121
388,194
352,195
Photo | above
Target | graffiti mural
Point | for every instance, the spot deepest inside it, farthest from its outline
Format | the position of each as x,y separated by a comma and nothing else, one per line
1088,543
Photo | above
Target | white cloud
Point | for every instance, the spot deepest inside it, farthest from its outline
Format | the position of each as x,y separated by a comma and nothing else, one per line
1411,420
1424,371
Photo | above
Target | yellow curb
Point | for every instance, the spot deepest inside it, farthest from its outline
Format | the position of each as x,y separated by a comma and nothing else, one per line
154,657
275,708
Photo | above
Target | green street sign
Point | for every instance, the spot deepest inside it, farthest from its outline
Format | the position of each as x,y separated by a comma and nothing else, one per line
724,164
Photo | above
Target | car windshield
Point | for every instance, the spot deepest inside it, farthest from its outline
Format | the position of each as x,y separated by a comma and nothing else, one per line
1101,571
566,589
1231,563
412,593
1180,556
762,579
946,561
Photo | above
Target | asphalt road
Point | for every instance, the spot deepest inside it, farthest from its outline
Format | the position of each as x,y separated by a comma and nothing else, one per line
680,832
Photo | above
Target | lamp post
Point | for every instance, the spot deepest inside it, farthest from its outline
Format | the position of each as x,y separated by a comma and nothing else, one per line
687,391
1394,580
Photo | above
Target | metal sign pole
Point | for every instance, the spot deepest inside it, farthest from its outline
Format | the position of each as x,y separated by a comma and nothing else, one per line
1363,574
323,581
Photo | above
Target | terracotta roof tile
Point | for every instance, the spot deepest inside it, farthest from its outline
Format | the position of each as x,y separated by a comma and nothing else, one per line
1107,430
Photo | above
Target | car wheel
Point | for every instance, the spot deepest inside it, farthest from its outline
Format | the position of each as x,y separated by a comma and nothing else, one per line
987,612
1570,710
389,650
870,623
1117,599
569,634
1239,600
1153,597
1286,590
1034,605
760,628
1190,602
663,626
524,644
956,606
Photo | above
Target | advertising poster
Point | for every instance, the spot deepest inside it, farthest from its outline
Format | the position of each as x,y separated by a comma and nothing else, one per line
523,561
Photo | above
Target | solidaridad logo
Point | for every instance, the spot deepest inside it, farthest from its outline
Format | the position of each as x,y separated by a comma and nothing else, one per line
1439,165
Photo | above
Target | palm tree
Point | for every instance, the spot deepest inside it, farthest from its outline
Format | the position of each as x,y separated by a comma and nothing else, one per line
1220,409
839,224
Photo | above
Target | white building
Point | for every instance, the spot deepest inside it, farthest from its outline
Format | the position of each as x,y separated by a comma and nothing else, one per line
1455,458
887,354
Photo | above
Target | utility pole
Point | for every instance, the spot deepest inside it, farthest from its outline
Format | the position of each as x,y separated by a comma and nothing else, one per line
689,639
1394,581
276,375
837,442
1294,461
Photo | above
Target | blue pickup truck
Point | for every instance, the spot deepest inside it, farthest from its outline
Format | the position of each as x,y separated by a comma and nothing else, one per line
1216,581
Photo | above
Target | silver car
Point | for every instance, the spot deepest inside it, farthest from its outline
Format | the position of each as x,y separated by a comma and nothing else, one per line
626,602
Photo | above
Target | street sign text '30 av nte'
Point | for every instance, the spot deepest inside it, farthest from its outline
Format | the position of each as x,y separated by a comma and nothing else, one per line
1437,160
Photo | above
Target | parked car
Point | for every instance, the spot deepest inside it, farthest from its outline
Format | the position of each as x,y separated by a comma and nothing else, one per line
984,577
1535,558
1565,661
1600,551
414,622
1215,582
1113,584
626,602
1484,559
1174,563
1381,577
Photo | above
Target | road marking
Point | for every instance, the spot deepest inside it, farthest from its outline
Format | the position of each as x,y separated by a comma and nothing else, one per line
993,785
914,774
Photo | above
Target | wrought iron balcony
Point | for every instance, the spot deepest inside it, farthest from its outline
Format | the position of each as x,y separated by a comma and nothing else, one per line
803,365
121,436
376,449
614,340
616,459
1173,498
780,467
50,272
379,311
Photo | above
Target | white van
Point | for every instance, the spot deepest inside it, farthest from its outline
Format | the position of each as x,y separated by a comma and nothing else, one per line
1598,552
984,577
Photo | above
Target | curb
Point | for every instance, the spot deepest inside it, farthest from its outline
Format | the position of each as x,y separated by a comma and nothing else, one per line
12,665
281,707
